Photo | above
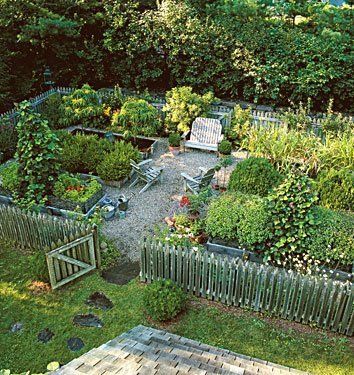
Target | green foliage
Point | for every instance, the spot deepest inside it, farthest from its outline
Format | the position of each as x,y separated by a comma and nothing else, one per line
334,239
112,99
239,217
241,123
254,176
75,189
336,189
163,300
9,177
83,153
37,154
83,107
174,139
335,123
183,106
52,112
37,266
8,140
197,202
292,220
138,117
116,164
298,119
284,147
225,147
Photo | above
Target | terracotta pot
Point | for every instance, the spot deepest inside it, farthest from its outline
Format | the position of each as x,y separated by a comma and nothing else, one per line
174,150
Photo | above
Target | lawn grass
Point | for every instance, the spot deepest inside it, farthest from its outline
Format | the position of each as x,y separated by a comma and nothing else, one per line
244,334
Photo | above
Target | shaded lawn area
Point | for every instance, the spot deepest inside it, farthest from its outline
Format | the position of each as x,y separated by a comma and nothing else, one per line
243,333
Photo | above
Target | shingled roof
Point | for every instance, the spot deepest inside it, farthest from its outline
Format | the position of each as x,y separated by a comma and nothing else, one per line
147,351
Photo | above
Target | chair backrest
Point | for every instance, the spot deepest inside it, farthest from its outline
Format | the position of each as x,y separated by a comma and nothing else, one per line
206,131
137,168
207,177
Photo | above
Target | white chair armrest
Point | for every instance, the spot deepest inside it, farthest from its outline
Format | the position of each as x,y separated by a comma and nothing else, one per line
185,134
189,178
203,170
144,162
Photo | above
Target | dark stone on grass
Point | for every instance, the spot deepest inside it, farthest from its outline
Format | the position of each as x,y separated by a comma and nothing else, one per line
122,272
99,301
45,335
16,327
87,320
75,344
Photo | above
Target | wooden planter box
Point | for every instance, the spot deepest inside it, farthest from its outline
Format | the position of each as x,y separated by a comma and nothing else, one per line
235,252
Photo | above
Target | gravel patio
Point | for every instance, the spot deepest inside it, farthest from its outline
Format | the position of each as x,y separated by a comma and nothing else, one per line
148,209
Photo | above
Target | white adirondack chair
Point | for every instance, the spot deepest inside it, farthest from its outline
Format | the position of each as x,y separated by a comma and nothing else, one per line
197,183
205,134
145,173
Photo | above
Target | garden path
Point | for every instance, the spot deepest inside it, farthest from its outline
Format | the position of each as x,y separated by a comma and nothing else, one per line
148,209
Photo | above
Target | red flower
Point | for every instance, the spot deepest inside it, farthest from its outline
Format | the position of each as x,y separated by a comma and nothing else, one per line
184,201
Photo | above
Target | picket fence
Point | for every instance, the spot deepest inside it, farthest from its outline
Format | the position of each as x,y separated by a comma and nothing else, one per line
327,304
71,248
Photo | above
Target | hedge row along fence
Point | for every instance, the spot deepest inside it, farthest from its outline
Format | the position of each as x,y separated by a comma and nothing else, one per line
281,293
259,117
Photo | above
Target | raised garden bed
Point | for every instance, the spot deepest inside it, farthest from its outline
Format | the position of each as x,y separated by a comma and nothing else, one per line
215,246
146,146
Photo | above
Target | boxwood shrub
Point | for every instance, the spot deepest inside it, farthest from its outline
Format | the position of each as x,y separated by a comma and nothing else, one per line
238,217
336,189
254,176
334,239
163,300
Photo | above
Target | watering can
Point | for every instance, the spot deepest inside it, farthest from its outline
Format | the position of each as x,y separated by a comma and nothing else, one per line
123,202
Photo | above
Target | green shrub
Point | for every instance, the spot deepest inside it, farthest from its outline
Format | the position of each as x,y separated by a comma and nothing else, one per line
241,123
9,177
83,107
225,147
335,123
163,300
116,164
238,217
75,189
52,111
299,118
82,153
174,140
336,189
8,140
254,176
138,117
112,99
334,237
292,220
183,106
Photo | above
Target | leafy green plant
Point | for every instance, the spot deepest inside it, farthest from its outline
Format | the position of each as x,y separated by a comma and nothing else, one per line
254,176
83,107
285,148
138,117
82,153
174,139
335,122
239,217
163,300
52,111
112,99
75,189
336,188
333,241
299,118
241,123
9,177
37,154
225,147
116,164
183,106
292,219
197,202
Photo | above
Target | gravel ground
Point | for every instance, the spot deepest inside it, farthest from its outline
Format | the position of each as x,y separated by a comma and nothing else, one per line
148,209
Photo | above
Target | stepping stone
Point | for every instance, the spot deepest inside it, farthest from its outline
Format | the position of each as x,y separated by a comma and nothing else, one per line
45,335
75,344
16,327
99,301
87,320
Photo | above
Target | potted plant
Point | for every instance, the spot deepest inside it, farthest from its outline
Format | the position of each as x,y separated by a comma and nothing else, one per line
225,147
108,211
174,142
